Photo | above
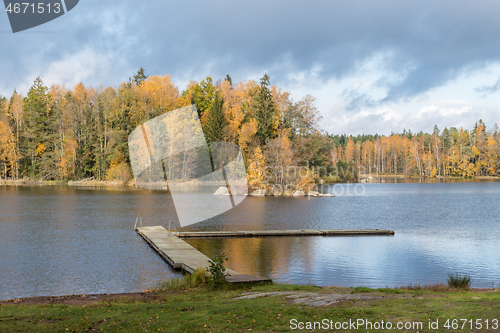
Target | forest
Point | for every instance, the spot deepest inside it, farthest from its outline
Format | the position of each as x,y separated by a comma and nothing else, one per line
56,133
451,152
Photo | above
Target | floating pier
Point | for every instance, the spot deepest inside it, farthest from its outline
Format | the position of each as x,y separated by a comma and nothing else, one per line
286,233
181,255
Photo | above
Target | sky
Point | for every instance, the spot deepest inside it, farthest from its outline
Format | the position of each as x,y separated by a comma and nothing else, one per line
374,66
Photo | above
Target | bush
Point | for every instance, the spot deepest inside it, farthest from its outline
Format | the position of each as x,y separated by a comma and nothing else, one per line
362,290
119,172
457,281
196,279
217,271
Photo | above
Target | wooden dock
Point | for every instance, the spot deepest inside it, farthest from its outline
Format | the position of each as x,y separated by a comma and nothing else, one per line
181,255
286,233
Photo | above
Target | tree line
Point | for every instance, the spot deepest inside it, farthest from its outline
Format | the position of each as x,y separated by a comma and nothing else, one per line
71,134
451,152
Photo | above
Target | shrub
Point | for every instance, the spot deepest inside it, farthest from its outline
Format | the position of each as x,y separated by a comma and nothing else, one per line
120,172
217,271
362,290
196,279
457,281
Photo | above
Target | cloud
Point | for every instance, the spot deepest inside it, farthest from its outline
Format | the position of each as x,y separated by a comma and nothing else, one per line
489,89
372,55
386,120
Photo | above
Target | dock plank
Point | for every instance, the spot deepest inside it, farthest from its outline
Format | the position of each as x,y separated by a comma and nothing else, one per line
181,255
285,233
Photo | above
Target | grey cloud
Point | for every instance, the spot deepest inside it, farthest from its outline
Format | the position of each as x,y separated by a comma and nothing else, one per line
489,89
432,42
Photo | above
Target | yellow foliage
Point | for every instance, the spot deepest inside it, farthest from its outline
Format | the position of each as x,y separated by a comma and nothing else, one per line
40,149
434,172
66,163
248,131
255,169
120,172
475,151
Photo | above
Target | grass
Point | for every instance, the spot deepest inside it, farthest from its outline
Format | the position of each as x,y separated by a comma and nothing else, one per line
199,309
457,281
198,279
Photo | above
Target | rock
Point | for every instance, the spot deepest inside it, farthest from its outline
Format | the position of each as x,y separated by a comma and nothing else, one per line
313,193
288,193
310,299
259,193
299,194
326,195
222,191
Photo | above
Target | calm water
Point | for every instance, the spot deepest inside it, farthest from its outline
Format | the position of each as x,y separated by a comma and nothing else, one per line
57,241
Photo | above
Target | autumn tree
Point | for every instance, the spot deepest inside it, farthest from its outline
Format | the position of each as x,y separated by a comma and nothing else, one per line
15,120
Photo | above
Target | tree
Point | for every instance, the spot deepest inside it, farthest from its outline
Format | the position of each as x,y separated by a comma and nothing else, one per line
7,151
140,76
3,106
39,131
264,111
202,96
255,167
216,124
15,119
228,79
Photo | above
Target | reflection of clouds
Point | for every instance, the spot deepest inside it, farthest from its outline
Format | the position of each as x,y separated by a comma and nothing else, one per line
439,230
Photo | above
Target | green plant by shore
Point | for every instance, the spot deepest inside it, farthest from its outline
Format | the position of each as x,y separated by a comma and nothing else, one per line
217,271
458,281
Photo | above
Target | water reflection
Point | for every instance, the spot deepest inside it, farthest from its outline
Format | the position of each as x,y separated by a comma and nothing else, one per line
66,240
57,241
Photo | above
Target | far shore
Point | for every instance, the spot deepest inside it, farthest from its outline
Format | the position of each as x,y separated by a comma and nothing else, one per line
131,183
89,183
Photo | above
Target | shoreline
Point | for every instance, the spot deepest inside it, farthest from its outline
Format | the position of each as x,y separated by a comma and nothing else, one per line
400,176
131,183
152,295
80,183
259,308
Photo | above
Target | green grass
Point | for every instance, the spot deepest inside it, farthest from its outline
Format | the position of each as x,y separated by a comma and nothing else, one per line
362,290
457,281
198,279
202,310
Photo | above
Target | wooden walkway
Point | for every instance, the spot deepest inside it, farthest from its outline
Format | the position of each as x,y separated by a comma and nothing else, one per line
181,255
285,233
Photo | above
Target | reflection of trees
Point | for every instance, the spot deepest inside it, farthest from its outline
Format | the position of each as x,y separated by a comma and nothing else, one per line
266,256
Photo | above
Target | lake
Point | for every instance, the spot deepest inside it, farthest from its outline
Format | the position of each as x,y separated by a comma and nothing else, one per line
66,240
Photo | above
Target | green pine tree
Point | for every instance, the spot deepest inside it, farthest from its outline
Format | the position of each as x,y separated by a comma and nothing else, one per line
215,125
140,76
264,111
203,95
39,131
229,79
